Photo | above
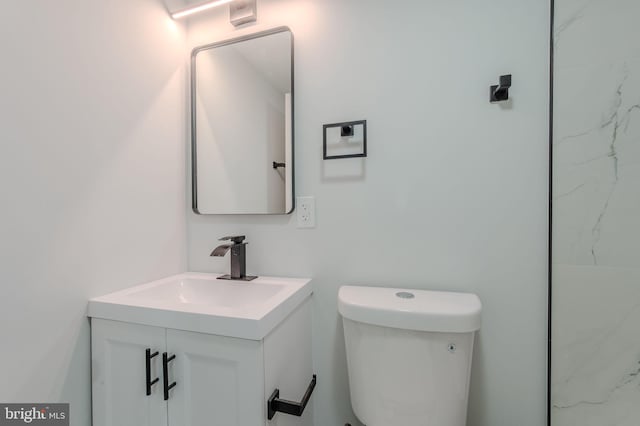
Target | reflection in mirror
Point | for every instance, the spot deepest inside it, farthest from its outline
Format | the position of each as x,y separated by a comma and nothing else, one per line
242,125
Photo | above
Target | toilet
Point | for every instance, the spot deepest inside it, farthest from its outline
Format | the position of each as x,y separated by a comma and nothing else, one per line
409,354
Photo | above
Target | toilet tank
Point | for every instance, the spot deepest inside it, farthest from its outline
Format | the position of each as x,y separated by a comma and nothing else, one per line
409,354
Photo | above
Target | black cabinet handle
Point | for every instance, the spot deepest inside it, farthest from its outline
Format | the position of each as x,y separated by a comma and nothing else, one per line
277,165
275,404
148,380
165,372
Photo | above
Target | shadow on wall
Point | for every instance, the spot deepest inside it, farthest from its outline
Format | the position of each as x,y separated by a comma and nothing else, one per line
344,170
475,413
66,380
340,371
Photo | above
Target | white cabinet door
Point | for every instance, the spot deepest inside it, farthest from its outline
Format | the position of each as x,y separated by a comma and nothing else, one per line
219,380
118,358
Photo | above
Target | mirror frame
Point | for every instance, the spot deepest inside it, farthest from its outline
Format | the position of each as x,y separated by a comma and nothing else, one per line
194,151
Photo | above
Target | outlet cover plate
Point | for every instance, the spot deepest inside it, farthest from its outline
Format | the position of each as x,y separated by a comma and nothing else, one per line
306,212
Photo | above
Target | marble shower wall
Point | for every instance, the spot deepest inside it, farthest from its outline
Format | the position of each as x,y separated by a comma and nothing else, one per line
596,214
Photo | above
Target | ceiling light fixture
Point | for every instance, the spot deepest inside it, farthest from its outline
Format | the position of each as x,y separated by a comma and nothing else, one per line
199,8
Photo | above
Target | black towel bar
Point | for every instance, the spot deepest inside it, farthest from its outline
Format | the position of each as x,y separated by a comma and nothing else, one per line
275,404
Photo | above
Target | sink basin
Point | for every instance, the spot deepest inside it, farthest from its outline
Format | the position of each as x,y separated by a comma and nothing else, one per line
201,303
219,294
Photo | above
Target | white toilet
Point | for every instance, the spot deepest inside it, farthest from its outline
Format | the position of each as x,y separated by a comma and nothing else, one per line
409,354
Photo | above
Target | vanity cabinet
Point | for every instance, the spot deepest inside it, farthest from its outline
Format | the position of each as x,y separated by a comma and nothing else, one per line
220,380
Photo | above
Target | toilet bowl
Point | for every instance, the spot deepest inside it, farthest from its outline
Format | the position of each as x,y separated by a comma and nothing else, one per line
409,354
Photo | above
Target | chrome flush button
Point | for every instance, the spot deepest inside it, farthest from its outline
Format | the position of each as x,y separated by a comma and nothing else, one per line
405,295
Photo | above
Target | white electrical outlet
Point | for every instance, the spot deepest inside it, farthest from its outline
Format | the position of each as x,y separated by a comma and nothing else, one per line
306,212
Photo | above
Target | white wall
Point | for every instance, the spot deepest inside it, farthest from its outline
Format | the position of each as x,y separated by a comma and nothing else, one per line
92,156
452,196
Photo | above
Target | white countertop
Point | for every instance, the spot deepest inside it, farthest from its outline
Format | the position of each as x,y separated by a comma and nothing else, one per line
202,303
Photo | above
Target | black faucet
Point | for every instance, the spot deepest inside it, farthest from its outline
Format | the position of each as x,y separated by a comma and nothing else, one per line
238,258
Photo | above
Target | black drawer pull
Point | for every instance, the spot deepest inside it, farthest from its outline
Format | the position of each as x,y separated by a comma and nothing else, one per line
275,404
165,372
148,380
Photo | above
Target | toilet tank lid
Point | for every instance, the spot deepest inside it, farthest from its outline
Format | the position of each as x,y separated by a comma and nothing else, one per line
410,309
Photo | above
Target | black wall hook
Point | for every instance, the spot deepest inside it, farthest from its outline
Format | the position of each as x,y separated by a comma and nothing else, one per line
500,93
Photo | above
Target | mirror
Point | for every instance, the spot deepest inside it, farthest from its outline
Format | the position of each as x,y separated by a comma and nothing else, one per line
242,125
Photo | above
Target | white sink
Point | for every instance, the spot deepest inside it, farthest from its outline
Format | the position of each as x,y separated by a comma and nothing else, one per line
201,303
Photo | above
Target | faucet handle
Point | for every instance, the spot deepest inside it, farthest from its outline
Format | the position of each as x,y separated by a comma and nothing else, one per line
236,239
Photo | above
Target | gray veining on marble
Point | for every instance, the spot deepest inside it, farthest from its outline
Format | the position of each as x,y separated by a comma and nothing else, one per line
596,214
596,366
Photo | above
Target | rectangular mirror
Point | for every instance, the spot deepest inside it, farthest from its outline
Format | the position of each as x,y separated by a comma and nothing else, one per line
242,125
